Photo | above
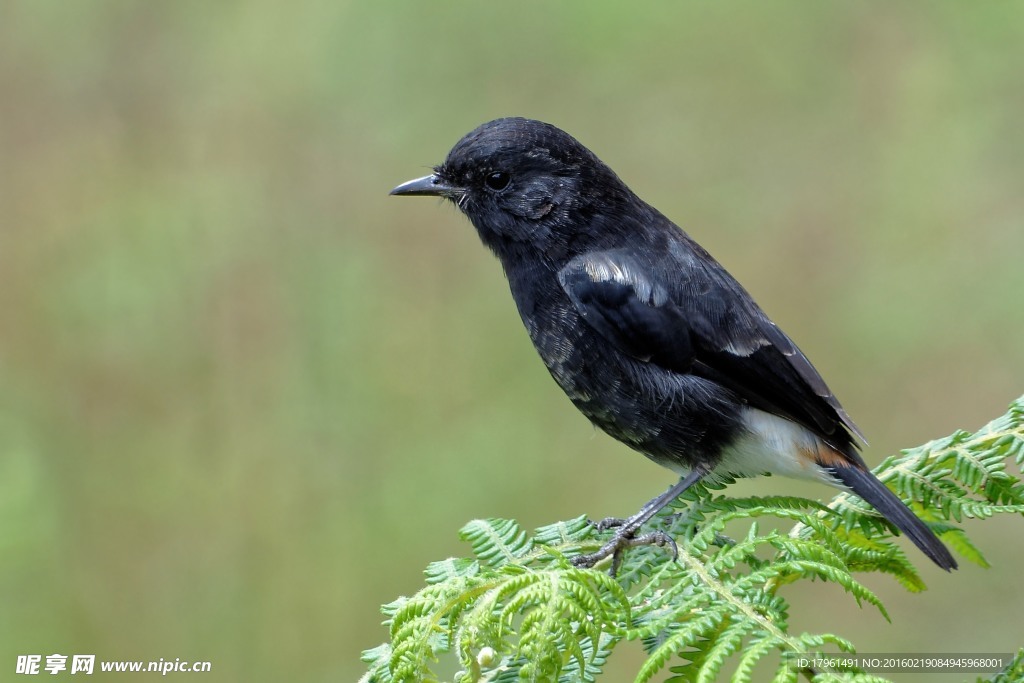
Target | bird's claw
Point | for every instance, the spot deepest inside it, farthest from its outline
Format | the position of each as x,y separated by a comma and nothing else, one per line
658,538
609,523
624,538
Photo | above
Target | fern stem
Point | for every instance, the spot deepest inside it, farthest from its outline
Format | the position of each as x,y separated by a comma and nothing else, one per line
718,587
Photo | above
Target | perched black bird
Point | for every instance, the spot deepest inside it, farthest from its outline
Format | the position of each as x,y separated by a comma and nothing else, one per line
644,331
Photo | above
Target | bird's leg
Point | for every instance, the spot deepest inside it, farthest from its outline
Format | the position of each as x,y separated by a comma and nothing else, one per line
625,535
651,507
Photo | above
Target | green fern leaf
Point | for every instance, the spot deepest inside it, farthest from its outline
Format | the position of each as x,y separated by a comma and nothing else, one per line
519,610
496,541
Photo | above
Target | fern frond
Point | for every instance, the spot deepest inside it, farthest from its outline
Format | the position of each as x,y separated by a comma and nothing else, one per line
496,541
518,609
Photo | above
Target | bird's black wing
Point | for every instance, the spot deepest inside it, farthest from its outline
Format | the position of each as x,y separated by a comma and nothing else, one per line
688,315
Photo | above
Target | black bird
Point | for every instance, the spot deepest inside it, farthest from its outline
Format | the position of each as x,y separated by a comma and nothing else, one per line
645,332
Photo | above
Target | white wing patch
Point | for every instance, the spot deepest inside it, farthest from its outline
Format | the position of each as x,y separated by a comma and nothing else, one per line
746,349
603,268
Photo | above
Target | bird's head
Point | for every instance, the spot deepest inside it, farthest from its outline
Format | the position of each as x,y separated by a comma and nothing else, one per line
523,182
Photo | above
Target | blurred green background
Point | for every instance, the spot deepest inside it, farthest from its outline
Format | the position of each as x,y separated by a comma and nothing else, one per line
247,396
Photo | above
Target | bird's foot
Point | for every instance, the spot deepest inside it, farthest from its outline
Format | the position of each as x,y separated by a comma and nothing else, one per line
624,538
625,534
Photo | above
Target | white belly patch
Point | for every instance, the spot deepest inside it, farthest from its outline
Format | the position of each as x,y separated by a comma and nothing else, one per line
774,445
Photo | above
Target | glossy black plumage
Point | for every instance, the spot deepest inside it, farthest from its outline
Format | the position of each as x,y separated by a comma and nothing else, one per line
644,331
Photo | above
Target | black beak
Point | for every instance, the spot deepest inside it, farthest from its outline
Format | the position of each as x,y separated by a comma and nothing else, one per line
429,185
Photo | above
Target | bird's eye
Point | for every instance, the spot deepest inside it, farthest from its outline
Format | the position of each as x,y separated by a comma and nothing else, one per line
497,181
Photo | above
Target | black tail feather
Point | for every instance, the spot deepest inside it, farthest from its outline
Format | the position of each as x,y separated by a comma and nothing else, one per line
868,487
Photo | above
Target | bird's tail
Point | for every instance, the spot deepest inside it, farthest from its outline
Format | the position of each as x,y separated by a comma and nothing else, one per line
868,487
